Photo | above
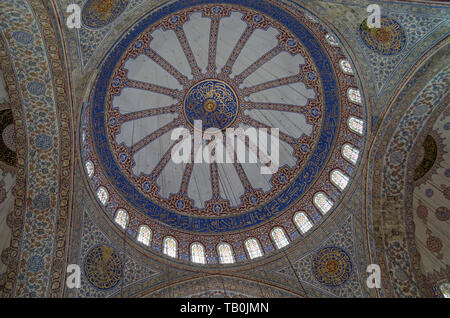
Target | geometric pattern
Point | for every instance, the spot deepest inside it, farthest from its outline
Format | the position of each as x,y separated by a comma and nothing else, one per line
330,269
332,266
390,39
103,267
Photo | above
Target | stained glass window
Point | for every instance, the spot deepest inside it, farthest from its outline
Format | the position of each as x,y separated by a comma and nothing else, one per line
302,222
322,202
253,248
331,39
346,67
102,195
356,125
90,168
145,235
170,247
354,95
279,237
121,218
311,18
445,290
225,253
350,153
339,179
198,253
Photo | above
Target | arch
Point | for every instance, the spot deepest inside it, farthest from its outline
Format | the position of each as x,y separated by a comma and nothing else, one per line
350,153
302,222
102,195
397,199
331,39
346,67
170,247
253,248
322,202
225,252
145,235
122,218
356,125
279,237
354,95
198,253
90,169
339,179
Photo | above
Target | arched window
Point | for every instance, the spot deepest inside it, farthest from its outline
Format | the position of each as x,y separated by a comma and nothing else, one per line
322,202
339,179
356,125
198,253
102,195
445,290
354,95
302,222
253,248
311,18
121,218
170,247
350,153
330,39
145,235
346,67
89,168
225,253
279,237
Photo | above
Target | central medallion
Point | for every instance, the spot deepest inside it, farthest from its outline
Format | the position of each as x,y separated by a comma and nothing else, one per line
213,102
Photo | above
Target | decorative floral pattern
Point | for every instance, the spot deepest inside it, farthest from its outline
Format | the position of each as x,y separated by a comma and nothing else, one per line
103,267
99,13
332,266
388,40
146,186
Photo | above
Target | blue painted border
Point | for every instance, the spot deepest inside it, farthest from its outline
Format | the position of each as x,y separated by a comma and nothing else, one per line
254,217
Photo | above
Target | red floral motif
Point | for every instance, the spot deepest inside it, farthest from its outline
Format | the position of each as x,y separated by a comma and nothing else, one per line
446,191
422,212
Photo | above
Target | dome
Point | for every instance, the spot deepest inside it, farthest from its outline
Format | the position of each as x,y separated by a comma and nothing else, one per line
270,72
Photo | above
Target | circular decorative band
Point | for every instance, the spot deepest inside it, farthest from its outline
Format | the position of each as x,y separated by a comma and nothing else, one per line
213,102
278,204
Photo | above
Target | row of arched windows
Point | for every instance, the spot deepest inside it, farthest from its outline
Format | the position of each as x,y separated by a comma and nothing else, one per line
321,201
225,250
353,94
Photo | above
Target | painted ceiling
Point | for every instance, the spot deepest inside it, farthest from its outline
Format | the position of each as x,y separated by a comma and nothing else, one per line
86,175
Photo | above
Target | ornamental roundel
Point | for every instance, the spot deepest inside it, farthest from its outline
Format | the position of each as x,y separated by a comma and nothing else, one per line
332,266
99,13
213,102
236,65
103,267
390,39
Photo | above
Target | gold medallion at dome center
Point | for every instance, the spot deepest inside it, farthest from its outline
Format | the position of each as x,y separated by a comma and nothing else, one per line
210,105
332,266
